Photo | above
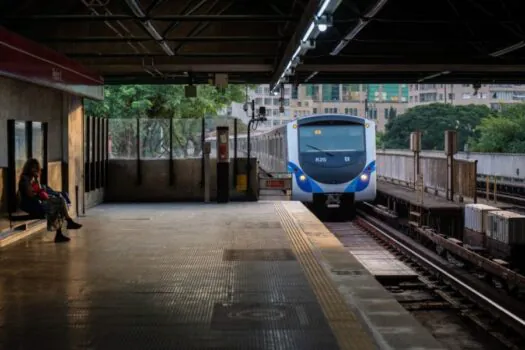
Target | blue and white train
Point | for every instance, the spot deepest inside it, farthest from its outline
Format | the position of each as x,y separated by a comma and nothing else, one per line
331,158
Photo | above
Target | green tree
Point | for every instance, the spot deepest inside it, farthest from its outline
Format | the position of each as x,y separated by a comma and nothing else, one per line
380,139
155,105
432,120
502,131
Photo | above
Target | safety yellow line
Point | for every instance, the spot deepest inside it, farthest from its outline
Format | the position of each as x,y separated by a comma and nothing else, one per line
344,324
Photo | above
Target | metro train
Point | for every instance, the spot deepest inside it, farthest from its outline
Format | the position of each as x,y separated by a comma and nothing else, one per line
331,158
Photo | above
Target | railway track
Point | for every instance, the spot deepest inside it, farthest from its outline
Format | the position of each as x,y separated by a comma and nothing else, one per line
442,288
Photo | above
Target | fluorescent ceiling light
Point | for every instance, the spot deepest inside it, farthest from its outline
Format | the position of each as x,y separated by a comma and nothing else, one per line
323,7
508,49
309,31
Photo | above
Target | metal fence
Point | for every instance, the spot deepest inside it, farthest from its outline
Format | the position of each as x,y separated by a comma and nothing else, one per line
162,138
399,166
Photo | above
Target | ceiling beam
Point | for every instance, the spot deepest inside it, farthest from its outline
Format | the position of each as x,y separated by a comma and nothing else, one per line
189,67
383,68
184,55
103,39
306,18
168,18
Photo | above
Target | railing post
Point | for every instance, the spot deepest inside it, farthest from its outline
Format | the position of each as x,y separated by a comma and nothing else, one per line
415,146
495,189
476,181
450,150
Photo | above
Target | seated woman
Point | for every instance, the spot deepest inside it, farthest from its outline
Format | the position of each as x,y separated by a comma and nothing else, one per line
39,203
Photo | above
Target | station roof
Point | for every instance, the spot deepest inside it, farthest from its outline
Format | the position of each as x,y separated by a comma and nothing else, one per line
160,41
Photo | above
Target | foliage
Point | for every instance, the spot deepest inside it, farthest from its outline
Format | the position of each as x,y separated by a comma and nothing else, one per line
380,139
502,131
432,120
155,105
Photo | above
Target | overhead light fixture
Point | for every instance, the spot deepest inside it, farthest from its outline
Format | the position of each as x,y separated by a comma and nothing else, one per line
508,49
323,22
311,76
432,76
360,25
308,32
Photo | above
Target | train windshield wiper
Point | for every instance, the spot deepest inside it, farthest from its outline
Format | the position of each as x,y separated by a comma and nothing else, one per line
320,150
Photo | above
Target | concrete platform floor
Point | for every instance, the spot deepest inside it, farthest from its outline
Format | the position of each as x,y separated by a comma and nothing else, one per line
182,276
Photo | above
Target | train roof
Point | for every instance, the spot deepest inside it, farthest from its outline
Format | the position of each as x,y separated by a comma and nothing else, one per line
324,117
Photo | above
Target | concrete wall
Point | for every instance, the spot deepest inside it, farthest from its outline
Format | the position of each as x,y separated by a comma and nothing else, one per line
54,175
122,180
64,114
24,101
3,192
75,151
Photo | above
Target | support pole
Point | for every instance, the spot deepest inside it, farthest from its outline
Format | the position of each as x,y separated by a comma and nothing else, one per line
206,150
203,138
171,174
248,160
139,165
235,160
223,165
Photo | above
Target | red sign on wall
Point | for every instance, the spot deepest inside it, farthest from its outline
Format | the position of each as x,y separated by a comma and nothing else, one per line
25,60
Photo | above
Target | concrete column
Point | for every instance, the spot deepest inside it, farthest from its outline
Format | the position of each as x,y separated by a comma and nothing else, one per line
75,156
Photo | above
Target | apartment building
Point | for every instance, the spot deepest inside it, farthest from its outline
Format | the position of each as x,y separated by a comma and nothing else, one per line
378,102
493,96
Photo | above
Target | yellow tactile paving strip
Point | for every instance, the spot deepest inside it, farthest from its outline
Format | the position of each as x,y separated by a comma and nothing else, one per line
344,324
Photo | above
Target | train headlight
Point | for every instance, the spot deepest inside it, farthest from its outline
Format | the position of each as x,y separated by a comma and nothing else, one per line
302,178
364,177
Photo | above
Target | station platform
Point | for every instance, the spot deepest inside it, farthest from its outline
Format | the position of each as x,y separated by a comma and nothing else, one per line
385,267
257,275
430,202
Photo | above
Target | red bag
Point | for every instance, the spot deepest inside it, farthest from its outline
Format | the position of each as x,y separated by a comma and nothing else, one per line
44,195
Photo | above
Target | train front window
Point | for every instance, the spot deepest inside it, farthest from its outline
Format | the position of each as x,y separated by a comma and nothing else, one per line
331,138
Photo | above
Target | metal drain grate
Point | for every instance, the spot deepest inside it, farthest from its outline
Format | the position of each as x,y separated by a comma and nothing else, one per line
253,316
258,255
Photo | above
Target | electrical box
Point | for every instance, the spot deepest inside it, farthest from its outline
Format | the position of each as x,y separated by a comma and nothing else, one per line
451,142
190,91
415,141
223,145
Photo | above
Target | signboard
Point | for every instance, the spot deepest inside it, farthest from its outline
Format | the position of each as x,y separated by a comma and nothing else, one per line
269,183
274,183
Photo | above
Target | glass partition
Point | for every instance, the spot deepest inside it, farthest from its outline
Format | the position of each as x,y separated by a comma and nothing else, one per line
20,147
